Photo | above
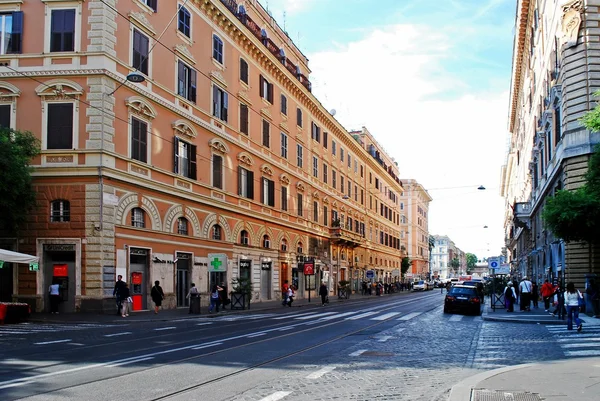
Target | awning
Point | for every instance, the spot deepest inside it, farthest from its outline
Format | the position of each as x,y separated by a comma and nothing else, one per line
16,257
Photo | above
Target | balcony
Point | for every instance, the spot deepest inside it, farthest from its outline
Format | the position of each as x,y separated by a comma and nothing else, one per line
522,214
240,14
341,236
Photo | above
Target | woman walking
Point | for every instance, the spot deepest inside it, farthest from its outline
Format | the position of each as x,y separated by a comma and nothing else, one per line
157,295
572,297
124,295
509,297
214,298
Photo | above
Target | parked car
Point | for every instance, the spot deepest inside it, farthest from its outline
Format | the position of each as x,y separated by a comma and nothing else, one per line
420,285
463,298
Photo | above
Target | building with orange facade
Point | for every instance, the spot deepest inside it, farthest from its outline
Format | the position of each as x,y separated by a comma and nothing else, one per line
221,164
414,221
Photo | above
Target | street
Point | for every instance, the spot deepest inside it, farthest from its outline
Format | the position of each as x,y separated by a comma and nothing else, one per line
397,347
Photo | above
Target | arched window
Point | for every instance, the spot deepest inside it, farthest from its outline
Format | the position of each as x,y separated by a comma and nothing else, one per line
60,211
138,217
244,238
266,243
182,226
284,245
299,248
216,232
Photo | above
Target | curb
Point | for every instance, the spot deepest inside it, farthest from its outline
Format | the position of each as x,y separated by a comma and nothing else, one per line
530,321
462,390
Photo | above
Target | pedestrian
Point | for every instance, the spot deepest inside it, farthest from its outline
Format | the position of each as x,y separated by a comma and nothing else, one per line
525,288
214,298
157,296
284,293
290,296
572,300
124,294
223,300
441,285
448,286
547,292
118,285
535,294
192,295
593,293
509,297
559,301
323,291
54,293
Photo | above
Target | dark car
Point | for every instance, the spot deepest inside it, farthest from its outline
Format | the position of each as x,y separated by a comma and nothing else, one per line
463,298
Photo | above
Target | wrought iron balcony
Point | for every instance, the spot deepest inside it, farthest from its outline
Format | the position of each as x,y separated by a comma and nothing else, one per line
339,235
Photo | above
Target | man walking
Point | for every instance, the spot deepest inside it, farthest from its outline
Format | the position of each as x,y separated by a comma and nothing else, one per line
118,293
547,293
323,291
525,288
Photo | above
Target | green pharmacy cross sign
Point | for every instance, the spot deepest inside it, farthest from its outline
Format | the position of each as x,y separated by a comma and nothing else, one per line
217,262
33,267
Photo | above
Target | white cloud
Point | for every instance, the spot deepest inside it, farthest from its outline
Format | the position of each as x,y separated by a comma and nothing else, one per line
394,82
289,6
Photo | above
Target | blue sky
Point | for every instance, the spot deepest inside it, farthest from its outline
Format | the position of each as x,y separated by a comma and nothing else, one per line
430,80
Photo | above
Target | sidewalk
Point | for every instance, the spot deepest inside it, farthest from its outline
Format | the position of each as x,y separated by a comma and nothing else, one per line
535,316
182,313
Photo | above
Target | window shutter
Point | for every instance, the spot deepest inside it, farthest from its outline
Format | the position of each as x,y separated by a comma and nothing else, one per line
271,193
262,190
250,184
16,37
192,90
193,167
261,86
270,93
60,126
5,116
217,171
180,79
284,198
240,169
325,139
225,105
216,101
176,155
243,118
153,5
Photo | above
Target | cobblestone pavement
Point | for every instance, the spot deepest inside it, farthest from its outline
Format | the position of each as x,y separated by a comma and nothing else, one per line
420,359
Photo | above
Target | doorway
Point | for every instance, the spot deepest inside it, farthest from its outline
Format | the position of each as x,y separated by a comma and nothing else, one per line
59,268
265,280
139,278
217,278
6,282
183,278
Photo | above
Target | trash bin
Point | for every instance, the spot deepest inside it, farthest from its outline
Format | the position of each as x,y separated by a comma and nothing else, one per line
195,305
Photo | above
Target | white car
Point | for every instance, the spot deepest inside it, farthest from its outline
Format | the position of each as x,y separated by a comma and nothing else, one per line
420,285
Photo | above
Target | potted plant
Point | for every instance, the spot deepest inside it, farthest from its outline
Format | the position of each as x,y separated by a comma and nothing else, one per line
241,293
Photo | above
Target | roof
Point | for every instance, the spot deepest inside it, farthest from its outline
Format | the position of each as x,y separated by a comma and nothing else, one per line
521,23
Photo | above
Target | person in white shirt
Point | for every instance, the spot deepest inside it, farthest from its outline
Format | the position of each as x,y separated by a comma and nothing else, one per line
572,297
525,288
54,291
509,297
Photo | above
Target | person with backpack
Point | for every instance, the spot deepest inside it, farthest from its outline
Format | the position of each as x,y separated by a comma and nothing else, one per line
509,297
573,299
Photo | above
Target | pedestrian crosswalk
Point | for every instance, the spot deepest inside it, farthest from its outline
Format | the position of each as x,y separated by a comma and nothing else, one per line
319,316
577,344
34,328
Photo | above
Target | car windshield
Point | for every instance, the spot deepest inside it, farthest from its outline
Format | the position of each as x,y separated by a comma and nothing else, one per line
421,282
462,291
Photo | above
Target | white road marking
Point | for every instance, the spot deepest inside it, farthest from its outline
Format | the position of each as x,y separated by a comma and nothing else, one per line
276,396
165,328
568,340
80,344
319,373
314,315
384,339
580,345
583,353
131,361
386,316
357,353
409,316
53,342
262,333
284,328
118,334
203,324
294,316
207,346
361,316
335,316
456,318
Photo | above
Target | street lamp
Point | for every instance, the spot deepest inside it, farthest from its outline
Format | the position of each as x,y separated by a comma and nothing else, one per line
481,188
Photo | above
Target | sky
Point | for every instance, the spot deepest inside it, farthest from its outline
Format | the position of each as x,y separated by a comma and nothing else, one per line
430,79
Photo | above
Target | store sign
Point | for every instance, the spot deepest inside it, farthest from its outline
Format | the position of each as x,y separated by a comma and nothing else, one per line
59,247
34,267
245,263
60,270
266,265
309,268
217,262
1,264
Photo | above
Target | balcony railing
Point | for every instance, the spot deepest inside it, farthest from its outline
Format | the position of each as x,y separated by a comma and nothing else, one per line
268,43
339,234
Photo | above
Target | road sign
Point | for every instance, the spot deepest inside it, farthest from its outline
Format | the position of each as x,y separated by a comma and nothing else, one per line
370,274
493,263
502,269
217,262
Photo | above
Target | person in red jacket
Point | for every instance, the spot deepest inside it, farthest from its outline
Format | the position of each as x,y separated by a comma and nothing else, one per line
547,291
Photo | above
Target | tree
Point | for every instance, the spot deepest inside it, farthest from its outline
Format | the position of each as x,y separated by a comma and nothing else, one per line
471,261
431,243
455,264
405,265
17,149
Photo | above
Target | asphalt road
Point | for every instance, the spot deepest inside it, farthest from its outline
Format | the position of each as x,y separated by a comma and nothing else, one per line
388,348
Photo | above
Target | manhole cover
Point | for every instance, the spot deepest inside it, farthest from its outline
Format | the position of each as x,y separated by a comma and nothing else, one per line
496,395
375,353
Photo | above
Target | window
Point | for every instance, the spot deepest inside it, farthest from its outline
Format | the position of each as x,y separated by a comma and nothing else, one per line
315,132
315,212
244,124
325,139
325,216
185,158
266,133
140,51
299,247
299,158
284,143
216,232
266,89
217,171
62,30
283,105
184,21
138,217
244,238
11,32
182,226
60,126
333,147
349,161
268,192
325,168
284,245
355,166
315,167
341,154
139,140
266,242
220,103
300,205
245,183
356,193
333,178
60,211
186,82
284,198
217,49
243,71
342,184
361,171
151,3
349,188
5,111
299,117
